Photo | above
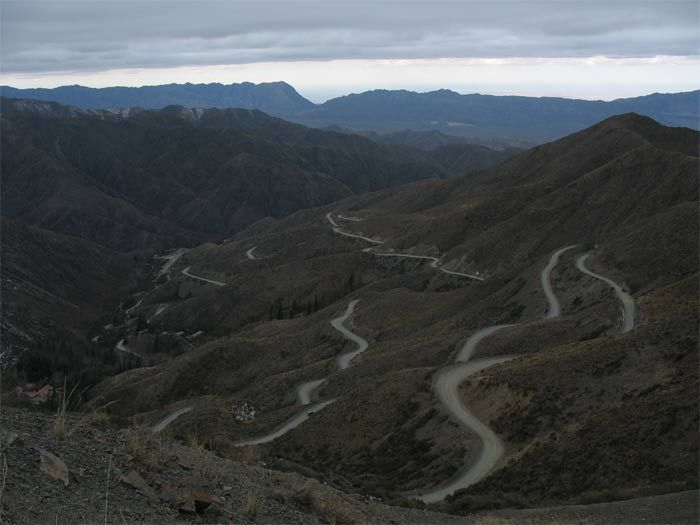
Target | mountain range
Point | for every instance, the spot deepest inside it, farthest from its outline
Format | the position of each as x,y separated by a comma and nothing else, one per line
507,120
444,326
423,267
173,177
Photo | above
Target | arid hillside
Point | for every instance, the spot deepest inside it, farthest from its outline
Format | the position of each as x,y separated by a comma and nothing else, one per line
559,290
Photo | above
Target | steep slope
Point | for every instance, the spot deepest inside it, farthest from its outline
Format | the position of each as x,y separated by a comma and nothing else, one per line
175,177
55,290
132,476
612,175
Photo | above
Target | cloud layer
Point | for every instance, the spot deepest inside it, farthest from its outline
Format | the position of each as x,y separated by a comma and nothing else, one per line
81,36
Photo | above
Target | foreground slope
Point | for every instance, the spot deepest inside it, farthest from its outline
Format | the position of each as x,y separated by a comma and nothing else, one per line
133,477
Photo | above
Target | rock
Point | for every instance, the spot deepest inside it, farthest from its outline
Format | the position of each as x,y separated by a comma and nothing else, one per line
53,466
178,499
190,495
134,479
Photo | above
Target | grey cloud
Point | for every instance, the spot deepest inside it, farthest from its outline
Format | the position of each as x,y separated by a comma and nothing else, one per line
43,36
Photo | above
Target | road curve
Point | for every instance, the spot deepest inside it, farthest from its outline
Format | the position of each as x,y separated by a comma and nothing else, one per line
305,390
343,360
348,218
469,347
121,347
170,260
138,303
626,301
339,230
446,387
554,309
161,308
169,419
293,422
434,260
249,253
186,272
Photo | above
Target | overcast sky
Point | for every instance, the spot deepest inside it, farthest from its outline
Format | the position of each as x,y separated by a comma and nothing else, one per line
591,49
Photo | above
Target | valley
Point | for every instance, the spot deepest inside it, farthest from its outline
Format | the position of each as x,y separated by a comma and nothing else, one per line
447,345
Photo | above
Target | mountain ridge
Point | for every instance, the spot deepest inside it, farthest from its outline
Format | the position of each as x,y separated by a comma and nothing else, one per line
178,176
506,117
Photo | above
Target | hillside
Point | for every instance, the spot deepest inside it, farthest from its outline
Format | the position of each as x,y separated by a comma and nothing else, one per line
176,177
475,115
56,290
136,477
342,324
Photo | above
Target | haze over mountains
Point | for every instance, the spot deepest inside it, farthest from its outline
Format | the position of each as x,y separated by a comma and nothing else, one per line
510,119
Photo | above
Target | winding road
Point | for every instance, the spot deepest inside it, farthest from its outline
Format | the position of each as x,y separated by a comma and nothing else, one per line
352,219
343,360
158,427
249,253
626,301
339,230
138,303
186,272
121,347
288,425
553,309
170,260
434,261
446,386
161,308
305,390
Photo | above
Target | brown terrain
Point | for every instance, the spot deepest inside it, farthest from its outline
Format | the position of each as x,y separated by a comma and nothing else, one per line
597,423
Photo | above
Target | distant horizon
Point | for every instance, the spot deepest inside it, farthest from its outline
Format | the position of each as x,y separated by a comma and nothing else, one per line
317,96
593,50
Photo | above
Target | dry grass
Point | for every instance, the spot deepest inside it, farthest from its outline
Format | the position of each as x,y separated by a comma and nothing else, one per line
251,505
330,508
207,468
145,447
66,424
3,480
249,455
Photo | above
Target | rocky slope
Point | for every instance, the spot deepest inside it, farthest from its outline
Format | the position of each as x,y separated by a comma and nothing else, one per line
94,473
